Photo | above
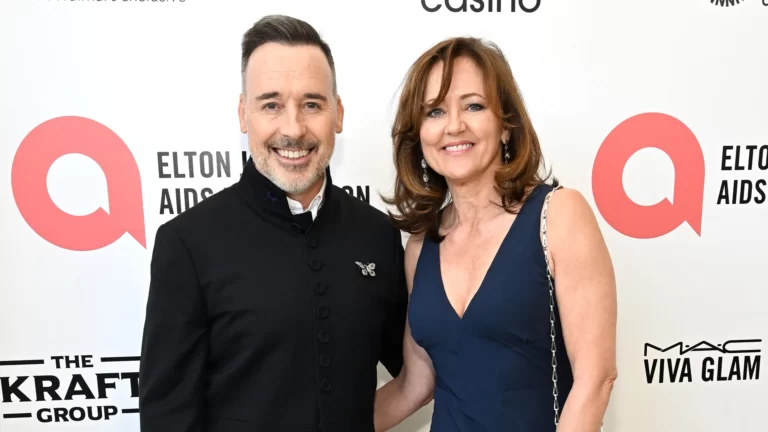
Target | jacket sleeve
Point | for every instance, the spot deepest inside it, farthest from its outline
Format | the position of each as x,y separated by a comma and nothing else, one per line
175,342
392,352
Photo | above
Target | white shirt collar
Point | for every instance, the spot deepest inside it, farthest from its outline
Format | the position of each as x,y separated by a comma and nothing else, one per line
314,206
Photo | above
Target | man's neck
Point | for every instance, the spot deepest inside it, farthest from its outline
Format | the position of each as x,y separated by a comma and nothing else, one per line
306,197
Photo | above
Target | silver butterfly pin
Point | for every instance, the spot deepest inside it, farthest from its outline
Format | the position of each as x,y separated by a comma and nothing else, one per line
367,269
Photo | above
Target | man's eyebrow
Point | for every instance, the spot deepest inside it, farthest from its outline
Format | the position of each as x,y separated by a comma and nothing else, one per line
268,95
274,94
315,96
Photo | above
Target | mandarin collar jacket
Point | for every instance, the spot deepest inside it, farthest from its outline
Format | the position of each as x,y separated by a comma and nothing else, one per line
261,320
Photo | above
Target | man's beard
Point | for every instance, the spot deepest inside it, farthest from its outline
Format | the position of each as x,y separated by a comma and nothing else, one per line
301,177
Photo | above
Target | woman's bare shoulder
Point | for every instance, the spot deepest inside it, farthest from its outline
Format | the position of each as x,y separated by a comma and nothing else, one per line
412,252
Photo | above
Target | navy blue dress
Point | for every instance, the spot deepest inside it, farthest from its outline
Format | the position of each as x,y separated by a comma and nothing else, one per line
493,365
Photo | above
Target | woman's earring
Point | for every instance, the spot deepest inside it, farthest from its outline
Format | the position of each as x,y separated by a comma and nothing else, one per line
425,177
506,152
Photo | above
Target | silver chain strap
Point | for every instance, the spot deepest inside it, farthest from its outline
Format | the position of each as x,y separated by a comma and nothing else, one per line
555,393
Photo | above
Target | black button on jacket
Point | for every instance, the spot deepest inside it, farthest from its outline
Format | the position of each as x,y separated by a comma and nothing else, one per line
261,320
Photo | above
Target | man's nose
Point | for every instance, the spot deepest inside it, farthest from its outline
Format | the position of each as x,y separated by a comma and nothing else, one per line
293,124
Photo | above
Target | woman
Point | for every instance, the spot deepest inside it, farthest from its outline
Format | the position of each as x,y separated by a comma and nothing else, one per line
485,334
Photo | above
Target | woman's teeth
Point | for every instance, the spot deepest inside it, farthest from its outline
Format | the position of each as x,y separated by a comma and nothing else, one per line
458,147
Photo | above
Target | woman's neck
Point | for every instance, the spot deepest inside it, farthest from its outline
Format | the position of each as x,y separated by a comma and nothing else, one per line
473,203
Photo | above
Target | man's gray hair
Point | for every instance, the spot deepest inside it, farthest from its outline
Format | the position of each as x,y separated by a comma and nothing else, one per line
284,30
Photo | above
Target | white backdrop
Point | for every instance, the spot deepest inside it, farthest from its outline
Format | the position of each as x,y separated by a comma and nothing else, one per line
163,76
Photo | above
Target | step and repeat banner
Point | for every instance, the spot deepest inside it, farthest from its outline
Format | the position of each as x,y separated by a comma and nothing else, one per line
116,116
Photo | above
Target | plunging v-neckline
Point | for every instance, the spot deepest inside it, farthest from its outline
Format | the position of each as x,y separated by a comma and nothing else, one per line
504,240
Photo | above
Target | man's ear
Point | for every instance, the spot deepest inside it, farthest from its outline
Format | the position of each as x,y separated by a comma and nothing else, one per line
339,115
241,113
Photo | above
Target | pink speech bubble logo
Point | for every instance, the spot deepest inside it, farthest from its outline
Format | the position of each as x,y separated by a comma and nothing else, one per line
674,138
67,135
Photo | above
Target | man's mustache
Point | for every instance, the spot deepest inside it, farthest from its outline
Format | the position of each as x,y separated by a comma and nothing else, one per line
290,143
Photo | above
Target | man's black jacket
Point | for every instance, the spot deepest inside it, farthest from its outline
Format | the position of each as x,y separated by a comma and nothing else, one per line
261,320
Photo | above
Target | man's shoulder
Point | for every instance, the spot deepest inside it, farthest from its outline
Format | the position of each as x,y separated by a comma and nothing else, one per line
363,213
208,213
371,226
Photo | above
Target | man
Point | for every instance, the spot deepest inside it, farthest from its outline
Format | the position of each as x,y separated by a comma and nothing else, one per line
272,302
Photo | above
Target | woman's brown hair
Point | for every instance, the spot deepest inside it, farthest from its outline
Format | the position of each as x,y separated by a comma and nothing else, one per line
420,206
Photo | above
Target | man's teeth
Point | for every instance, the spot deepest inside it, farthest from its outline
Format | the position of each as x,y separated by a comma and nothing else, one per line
292,154
458,147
